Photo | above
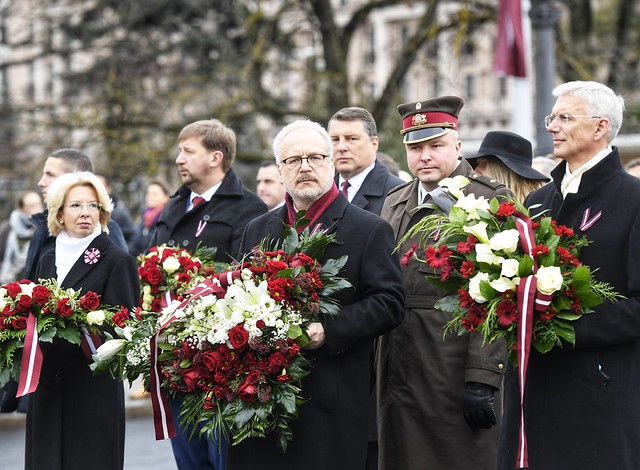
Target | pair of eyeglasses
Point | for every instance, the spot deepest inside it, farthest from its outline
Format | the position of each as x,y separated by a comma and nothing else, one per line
565,118
315,160
77,206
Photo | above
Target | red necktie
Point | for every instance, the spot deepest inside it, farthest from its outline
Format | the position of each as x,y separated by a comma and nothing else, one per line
197,200
345,186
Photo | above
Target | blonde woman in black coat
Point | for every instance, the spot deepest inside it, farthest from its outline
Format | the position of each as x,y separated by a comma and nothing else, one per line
76,420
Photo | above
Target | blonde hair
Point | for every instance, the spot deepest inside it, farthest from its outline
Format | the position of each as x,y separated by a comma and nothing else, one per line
519,185
59,189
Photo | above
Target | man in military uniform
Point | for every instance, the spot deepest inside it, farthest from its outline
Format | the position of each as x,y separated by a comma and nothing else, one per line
437,400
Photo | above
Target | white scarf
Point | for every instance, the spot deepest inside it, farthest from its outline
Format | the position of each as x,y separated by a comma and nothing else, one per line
69,249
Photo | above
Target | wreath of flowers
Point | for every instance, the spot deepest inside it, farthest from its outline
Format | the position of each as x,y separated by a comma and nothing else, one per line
170,272
58,312
232,349
477,252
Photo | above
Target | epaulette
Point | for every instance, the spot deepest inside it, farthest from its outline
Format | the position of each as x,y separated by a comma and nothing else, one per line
487,181
399,187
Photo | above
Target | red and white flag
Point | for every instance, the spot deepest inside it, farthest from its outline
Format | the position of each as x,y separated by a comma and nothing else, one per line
509,56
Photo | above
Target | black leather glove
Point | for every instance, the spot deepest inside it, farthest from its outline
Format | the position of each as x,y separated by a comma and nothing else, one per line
477,405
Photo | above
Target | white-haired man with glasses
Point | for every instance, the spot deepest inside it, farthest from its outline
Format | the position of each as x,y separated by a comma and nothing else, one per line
331,429
582,402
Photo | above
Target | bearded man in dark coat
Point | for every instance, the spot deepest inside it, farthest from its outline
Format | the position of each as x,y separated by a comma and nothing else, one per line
582,402
331,428
438,400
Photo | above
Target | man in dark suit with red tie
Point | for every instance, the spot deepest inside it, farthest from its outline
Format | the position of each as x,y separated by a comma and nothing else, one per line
210,209
364,180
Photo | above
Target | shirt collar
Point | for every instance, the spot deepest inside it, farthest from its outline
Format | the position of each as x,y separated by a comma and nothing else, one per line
355,182
571,180
207,195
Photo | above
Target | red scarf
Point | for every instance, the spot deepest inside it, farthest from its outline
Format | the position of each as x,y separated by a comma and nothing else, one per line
151,214
316,209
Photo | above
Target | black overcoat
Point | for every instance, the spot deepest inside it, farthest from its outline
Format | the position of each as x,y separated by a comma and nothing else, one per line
582,404
76,421
217,223
331,431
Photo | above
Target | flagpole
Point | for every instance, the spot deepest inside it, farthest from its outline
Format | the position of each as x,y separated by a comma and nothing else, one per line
543,18
522,96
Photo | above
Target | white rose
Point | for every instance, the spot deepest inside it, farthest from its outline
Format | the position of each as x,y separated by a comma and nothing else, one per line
171,265
110,349
96,317
485,255
454,185
479,230
506,241
27,289
471,205
504,284
474,287
509,267
549,279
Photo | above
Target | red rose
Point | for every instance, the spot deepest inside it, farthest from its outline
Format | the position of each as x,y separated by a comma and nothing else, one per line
24,303
90,301
153,276
276,359
19,323
13,289
247,391
212,359
300,259
183,278
274,267
284,378
63,308
238,337
190,377
41,295
120,317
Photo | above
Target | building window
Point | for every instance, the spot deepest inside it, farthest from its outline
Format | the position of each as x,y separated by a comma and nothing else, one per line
502,87
471,86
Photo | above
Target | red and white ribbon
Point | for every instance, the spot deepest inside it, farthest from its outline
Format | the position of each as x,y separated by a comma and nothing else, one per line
162,418
31,363
529,300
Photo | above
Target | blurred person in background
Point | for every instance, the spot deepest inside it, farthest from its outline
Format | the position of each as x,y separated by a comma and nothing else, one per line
76,420
16,235
545,164
156,198
633,167
507,157
121,216
269,186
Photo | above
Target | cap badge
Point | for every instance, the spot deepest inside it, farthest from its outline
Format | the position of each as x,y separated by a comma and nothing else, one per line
418,105
418,120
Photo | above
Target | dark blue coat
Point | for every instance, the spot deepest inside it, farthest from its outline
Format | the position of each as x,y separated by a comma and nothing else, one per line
582,404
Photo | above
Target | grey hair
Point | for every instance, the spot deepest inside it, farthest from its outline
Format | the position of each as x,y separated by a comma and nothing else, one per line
601,100
300,124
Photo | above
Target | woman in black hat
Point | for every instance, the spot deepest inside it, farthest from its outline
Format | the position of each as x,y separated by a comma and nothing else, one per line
507,157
